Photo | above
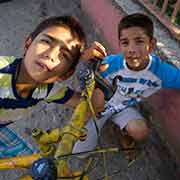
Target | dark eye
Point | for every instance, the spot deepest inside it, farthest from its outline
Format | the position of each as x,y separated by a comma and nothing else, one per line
63,49
124,43
139,41
64,53
45,41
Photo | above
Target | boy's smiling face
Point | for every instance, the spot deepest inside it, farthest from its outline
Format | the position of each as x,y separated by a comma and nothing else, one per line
50,55
136,46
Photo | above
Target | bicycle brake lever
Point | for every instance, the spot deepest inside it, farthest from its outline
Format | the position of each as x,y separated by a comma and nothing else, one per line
85,75
107,88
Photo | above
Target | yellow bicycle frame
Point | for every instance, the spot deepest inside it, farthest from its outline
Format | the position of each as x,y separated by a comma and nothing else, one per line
66,137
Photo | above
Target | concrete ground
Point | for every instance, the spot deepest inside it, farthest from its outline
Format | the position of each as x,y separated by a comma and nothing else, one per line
17,19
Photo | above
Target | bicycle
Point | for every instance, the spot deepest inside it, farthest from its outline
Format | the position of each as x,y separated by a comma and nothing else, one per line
51,162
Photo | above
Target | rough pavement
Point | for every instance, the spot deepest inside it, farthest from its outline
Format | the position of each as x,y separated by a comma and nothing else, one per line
17,19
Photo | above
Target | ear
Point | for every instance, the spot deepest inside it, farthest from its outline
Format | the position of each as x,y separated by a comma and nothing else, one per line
153,43
119,45
67,75
28,42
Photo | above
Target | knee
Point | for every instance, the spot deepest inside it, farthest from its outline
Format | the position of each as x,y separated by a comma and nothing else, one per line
137,129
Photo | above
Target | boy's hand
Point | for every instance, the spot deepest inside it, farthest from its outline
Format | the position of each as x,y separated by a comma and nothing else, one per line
103,67
96,50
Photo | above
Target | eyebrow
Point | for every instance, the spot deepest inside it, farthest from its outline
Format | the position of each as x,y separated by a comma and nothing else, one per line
51,38
136,38
63,45
57,40
123,39
139,38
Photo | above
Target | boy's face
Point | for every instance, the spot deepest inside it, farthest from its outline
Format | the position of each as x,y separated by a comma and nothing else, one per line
136,46
50,55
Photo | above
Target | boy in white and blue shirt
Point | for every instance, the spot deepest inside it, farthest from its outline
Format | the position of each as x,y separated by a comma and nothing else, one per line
141,74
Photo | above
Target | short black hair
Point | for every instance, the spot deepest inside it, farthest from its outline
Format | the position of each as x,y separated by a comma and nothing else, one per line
136,20
65,21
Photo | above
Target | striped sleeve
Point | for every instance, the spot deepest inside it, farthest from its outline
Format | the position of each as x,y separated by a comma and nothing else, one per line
115,63
168,73
61,96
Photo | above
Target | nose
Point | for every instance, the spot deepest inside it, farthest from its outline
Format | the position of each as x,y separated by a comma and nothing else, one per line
131,49
52,54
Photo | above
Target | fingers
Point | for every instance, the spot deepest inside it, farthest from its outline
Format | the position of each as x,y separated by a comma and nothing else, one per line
96,50
99,48
103,67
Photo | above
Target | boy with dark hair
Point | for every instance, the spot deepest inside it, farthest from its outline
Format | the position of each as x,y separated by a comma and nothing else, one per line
140,73
52,52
